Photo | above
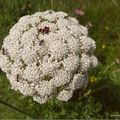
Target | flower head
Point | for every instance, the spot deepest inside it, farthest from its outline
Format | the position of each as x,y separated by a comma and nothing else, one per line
47,55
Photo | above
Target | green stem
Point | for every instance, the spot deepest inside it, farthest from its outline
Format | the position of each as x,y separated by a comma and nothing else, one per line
51,2
108,67
100,88
92,91
14,108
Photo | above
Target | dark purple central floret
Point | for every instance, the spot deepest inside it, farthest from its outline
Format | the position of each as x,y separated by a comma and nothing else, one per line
45,30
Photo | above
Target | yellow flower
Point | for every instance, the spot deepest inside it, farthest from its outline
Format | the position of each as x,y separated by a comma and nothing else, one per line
93,79
106,28
103,46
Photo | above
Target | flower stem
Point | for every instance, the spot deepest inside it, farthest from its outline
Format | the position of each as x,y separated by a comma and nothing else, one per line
14,108
51,2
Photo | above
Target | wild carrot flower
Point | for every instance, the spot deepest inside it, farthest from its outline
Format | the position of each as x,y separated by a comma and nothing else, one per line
47,55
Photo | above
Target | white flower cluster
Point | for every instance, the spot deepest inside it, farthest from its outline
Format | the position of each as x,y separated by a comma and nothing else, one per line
47,55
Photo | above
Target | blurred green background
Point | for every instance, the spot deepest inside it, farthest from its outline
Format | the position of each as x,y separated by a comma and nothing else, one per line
101,99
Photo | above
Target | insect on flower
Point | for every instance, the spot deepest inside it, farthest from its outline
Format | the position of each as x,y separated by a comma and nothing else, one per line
45,30
3,51
17,77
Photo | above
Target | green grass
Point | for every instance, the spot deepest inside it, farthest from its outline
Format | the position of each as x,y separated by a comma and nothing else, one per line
102,98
